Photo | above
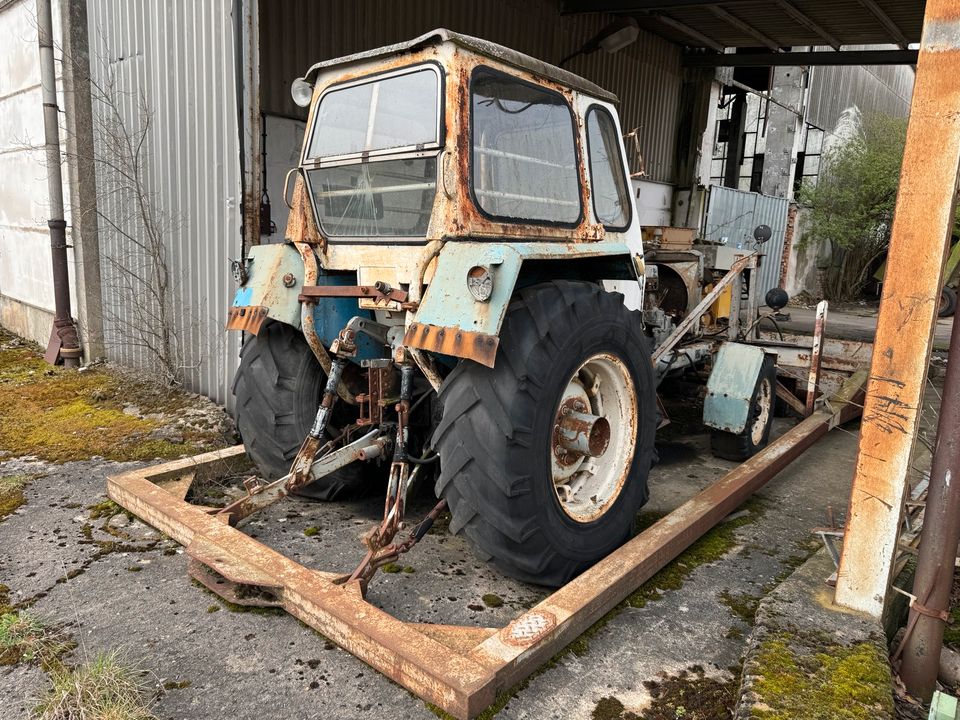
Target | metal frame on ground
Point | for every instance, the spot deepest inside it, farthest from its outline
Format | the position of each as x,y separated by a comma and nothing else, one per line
460,669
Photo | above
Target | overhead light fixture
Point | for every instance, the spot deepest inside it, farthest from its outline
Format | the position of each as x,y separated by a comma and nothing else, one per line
626,33
619,34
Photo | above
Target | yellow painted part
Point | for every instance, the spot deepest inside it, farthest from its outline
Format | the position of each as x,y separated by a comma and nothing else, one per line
721,308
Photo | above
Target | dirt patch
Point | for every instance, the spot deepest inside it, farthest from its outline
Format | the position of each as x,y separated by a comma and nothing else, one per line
689,695
59,415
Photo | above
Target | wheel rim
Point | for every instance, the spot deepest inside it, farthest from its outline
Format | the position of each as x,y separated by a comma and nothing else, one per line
599,407
761,411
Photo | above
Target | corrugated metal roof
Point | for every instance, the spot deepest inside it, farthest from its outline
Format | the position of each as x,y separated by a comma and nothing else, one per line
849,21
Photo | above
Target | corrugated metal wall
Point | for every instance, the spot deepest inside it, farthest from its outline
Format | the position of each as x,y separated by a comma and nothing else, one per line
732,215
885,89
646,76
168,68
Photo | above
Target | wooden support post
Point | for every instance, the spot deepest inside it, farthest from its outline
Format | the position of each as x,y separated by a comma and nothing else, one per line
908,311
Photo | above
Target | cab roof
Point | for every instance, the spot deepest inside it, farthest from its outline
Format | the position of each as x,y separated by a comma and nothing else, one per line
482,47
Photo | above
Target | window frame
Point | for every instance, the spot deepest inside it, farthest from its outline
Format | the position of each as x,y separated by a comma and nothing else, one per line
595,107
486,69
408,152
414,150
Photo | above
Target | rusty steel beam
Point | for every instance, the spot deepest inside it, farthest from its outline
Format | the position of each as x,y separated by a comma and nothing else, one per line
889,25
808,22
459,669
922,223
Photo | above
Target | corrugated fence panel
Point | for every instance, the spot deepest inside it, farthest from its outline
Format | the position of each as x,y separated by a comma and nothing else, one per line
646,75
732,215
164,75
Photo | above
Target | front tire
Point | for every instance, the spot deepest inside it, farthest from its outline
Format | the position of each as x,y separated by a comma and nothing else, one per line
277,388
746,444
537,511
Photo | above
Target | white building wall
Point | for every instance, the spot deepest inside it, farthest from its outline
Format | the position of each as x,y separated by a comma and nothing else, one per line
26,277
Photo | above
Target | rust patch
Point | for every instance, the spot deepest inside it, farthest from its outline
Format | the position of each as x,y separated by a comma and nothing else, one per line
249,319
479,347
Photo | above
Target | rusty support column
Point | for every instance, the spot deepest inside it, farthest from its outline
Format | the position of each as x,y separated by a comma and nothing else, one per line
908,310
64,342
938,544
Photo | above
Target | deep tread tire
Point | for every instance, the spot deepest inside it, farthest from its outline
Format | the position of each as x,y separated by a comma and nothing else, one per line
277,389
741,446
496,430
948,302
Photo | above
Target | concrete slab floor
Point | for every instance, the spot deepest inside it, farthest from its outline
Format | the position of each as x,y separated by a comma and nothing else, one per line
136,597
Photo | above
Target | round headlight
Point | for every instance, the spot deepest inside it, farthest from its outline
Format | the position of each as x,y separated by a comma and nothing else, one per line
301,91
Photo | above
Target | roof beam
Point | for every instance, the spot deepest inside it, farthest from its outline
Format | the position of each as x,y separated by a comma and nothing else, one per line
788,7
891,27
745,27
786,59
688,31
569,7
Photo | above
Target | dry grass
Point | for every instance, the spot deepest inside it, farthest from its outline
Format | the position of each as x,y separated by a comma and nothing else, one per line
24,637
103,689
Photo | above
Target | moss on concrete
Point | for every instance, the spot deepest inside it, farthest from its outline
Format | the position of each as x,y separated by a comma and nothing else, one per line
492,601
26,638
59,415
832,682
709,548
743,605
11,492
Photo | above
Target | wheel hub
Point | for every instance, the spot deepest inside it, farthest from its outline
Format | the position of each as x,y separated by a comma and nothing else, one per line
594,435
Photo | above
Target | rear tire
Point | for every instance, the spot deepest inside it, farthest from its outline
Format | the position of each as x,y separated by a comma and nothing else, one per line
497,440
756,434
948,302
277,388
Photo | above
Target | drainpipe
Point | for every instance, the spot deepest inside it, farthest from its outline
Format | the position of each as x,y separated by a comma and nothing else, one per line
64,342
938,543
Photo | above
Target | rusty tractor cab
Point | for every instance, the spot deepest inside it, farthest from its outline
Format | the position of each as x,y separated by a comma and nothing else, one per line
464,297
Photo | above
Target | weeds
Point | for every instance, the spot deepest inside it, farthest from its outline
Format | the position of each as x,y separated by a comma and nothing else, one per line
24,637
103,689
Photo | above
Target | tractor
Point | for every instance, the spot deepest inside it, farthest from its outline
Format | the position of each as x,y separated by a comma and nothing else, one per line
464,295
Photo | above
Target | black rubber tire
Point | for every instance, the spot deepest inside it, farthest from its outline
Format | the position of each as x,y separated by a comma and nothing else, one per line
731,446
496,430
277,388
948,302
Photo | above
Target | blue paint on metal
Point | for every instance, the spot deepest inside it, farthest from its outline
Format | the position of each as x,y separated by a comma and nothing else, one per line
267,266
448,301
243,297
330,316
264,287
730,388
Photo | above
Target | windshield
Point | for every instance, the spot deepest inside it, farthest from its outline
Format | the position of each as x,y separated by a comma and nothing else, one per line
388,114
371,164
384,199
